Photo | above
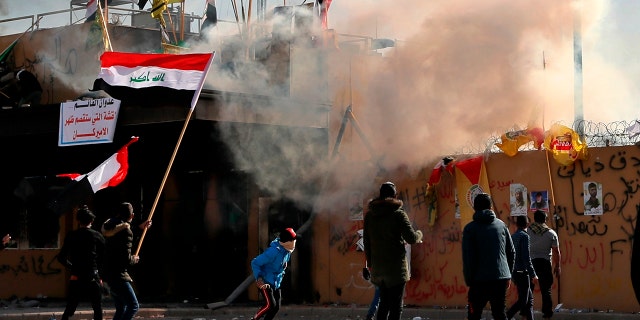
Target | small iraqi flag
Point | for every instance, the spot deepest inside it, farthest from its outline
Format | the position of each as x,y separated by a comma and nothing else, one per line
109,173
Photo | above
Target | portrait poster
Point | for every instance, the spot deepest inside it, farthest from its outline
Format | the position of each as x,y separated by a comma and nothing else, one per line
539,201
356,209
518,199
592,198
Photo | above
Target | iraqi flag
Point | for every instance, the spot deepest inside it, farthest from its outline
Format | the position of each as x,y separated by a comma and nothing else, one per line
471,179
109,173
153,78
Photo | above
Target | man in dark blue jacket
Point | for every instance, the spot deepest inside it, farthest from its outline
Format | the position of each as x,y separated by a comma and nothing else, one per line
488,259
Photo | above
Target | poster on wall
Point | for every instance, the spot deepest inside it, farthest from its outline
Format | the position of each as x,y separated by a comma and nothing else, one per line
518,200
592,198
356,210
539,201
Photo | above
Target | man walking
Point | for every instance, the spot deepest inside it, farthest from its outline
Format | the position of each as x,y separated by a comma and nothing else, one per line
386,230
488,259
544,248
83,254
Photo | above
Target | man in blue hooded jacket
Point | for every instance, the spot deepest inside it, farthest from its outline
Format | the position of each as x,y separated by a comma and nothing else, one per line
488,258
268,270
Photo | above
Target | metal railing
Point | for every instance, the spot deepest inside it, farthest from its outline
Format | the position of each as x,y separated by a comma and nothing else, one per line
117,15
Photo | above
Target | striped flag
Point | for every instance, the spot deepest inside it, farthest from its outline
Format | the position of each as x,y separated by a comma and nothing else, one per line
109,173
182,73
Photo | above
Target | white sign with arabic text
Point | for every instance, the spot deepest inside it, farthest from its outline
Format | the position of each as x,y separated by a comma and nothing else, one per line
88,121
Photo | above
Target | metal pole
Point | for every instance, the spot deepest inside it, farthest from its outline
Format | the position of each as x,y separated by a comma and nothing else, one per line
577,75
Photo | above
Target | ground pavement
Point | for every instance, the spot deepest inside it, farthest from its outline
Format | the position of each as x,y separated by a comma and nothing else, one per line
190,311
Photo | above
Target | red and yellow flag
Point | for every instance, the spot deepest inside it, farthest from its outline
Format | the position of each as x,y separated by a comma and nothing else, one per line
471,179
565,145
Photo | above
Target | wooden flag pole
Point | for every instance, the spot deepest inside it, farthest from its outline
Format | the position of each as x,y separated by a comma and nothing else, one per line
106,40
194,100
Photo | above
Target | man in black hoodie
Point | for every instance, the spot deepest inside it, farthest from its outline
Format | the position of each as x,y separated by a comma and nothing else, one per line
83,254
386,230
117,231
488,258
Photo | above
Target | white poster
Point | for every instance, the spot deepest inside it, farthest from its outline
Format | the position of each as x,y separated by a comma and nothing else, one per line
592,198
88,121
518,199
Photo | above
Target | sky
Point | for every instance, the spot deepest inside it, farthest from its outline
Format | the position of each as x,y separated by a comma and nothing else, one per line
463,70
528,29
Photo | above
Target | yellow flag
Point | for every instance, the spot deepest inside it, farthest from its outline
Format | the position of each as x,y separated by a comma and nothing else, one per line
513,140
471,179
565,145
158,7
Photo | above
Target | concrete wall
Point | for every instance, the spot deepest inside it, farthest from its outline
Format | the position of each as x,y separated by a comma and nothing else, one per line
66,60
596,250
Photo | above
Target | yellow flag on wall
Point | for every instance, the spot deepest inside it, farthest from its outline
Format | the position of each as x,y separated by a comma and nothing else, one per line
511,141
565,145
471,179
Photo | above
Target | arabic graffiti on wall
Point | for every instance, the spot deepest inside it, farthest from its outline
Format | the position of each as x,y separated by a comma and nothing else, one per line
597,247
37,265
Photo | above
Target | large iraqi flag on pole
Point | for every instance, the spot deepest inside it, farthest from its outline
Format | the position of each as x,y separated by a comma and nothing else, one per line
471,179
143,77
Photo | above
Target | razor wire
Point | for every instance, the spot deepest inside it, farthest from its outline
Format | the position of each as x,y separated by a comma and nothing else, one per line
595,134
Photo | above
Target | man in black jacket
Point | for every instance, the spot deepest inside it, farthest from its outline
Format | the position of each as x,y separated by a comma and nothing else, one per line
83,253
488,258
119,235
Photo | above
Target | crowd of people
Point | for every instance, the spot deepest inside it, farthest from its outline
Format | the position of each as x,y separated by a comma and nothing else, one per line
492,258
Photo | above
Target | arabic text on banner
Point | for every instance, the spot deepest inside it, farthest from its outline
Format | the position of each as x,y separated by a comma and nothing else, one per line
88,121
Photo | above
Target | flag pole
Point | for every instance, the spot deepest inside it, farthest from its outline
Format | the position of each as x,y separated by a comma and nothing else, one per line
194,100
106,40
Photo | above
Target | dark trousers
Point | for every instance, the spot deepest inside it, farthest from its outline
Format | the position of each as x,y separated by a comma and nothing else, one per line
524,305
272,300
81,290
494,292
391,300
125,300
545,280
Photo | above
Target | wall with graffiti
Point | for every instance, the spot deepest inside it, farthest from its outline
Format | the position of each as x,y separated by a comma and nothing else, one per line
596,243
62,59
22,270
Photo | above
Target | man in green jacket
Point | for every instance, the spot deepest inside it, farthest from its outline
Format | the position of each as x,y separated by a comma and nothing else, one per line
488,258
386,230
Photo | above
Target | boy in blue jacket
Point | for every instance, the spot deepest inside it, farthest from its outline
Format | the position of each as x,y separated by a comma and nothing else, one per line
268,270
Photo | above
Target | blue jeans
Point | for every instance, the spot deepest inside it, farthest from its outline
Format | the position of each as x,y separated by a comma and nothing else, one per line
373,307
125,300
